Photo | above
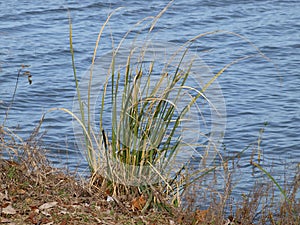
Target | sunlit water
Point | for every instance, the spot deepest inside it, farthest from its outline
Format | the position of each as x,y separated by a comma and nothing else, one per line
257,90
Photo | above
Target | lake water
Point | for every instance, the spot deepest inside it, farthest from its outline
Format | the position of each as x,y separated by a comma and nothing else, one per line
256,91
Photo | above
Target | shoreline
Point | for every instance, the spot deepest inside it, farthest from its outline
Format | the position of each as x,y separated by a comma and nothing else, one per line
33,192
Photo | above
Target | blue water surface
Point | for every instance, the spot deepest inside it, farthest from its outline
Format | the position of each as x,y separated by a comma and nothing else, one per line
258,91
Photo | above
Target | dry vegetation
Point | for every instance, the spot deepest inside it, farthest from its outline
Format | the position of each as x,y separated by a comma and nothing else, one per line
33,192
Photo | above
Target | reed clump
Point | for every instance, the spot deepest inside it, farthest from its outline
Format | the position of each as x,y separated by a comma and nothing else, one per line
135,178
134,155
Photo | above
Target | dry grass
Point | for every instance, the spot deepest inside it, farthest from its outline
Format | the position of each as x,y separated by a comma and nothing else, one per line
33,192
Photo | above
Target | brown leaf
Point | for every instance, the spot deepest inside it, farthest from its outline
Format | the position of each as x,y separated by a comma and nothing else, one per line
31,218
64,222
48,205
108,192
9,210
4,205
46,221
21,191
2,197
138,203
4,220
28,201
35,209
200,215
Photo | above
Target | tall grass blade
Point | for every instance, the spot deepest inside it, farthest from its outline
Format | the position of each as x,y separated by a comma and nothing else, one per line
272,178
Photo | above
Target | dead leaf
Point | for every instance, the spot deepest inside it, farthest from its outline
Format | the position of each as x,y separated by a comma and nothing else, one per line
46,213
109,199
200,215
32,218
2,197
5,204
28,201
21,191
35,209
138,203
172,222
48,205
46,221
64,222
4,220
9,210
